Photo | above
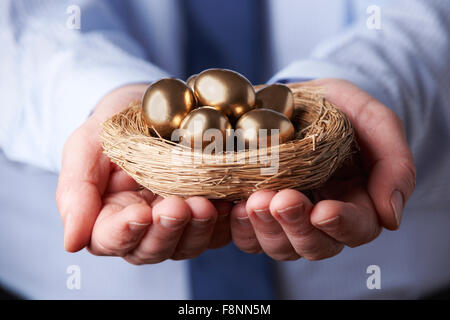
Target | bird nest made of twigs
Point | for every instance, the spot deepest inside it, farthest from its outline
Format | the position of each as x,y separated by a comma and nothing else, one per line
324,140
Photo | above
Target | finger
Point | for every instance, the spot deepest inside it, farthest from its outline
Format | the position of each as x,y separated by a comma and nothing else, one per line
82,182
170,217
121,224
292,211
383,141
119,181
390,185
157,199
198,231
242,231
85,170
222,234
148,196
352,221
269,233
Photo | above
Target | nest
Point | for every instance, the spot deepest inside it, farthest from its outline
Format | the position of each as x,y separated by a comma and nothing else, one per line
324,141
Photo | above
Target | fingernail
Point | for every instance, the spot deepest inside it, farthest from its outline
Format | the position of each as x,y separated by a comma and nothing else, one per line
200,222
291,214
263,214
332,222
243,220
397,206
170,222
137,227
221,217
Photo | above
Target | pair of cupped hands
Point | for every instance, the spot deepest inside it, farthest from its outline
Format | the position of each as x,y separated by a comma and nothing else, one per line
106,211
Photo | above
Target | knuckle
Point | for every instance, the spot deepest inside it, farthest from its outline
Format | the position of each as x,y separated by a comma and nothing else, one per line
273,235
100,249
118,245
94,251
324,254
138,261
242,239
248,246
286,256
133,261
372,233
303,231
186,254
153,260
376,231
97,248
251,250
409,175
312,249
120,200
123,243
150,257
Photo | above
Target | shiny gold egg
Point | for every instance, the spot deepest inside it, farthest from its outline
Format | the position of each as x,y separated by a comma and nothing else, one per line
277,97
190,81
249,125
195,127
225,90
165,104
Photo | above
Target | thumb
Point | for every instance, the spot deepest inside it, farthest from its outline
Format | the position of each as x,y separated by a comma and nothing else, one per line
85,171
385,151
391,183
82,181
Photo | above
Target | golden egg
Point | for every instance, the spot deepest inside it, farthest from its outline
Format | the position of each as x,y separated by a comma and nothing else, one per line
249,125
225,90
194,128
277,97
190,81
165,104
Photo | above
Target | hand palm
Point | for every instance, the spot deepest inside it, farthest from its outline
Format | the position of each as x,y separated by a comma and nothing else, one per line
354,204
104,209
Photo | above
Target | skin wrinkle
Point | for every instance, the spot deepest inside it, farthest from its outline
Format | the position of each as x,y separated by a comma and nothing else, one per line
154,254
65,207
123,199
259,236
201,220
326,223
103,251
138,224
384,202
409,179
263,211
253,247
290,208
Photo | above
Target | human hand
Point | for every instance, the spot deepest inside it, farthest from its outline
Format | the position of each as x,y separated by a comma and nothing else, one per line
353,207
106,210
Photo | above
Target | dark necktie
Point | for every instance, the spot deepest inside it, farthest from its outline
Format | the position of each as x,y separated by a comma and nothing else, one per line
228,34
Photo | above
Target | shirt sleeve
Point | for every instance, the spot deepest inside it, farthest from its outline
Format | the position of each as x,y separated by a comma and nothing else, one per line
53,74
405,63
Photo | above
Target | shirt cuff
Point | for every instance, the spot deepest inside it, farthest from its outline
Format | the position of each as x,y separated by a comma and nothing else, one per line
77,105
73,98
